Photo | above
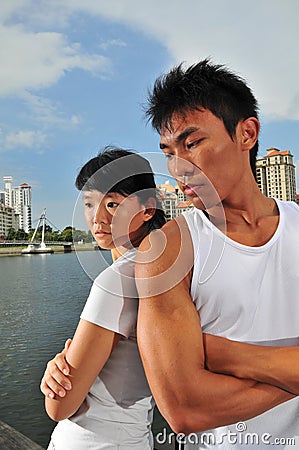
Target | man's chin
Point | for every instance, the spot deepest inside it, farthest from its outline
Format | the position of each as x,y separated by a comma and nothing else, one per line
197,202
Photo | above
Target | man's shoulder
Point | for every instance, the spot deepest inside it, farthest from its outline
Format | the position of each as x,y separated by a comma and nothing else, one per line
170,246
172,229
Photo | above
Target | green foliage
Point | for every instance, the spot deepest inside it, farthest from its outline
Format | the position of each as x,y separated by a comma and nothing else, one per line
16,235
69,234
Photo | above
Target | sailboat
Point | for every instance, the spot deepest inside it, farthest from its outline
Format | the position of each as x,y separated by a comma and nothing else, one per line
38,247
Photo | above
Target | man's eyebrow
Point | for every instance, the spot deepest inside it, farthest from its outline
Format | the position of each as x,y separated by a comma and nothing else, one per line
181,137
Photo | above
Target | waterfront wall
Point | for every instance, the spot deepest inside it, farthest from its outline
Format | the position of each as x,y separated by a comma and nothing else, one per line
11,439
10,251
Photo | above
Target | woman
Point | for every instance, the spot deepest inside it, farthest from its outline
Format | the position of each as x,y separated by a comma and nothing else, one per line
110,404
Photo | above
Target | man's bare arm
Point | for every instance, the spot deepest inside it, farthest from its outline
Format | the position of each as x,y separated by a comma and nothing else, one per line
171,345
274,365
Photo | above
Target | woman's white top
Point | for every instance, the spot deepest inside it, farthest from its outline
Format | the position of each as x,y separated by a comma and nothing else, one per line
117,412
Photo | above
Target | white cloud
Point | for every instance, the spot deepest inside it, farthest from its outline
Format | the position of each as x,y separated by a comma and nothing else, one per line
33,60
112,43
47,112
27,139
258,40
75,120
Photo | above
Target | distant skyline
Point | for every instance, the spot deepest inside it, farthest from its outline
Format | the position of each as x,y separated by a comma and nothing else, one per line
74,76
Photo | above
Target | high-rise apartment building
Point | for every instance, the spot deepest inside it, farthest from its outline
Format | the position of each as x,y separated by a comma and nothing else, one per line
2,197
8,190
18,199
8,219
22,205
275,174
174,201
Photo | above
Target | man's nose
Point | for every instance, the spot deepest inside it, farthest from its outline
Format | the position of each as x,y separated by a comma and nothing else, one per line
180,168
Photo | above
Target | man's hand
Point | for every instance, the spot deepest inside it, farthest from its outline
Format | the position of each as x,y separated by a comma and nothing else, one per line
55,380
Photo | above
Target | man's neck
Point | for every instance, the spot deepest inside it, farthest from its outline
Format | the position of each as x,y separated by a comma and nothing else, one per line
251,223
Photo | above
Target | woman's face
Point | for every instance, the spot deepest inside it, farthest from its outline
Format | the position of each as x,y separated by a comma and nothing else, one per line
113,219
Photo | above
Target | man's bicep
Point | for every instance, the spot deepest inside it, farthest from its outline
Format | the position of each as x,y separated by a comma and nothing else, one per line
170,344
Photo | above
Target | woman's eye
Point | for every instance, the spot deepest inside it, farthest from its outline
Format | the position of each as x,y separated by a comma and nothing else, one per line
88,205
112,204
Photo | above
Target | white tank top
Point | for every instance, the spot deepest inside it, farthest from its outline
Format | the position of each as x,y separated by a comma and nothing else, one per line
249,294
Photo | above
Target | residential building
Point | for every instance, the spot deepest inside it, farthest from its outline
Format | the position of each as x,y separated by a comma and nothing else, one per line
8,219
169,201
183,206
8,190
180,195
19,199
2,197
174,201
22,206
275,174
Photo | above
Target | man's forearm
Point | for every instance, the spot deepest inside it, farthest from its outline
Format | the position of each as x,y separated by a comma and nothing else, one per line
227,402
205,400
278,366
190,397
274,365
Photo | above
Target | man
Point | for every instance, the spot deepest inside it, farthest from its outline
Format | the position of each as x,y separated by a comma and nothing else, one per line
245,275
228,268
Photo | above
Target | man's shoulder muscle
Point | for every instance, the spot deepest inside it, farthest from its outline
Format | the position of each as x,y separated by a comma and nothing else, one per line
165,258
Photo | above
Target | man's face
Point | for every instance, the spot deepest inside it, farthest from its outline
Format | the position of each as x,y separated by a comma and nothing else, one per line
202,157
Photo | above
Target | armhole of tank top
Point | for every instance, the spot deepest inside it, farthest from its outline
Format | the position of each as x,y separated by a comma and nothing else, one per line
194,236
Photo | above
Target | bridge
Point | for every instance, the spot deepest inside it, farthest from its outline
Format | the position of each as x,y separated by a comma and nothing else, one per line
25,243
15,245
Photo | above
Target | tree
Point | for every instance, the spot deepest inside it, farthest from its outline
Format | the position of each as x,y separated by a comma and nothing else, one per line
67,234
21,235
11,235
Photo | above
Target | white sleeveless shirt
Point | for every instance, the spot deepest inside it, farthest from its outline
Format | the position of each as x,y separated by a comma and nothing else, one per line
249,294
118,410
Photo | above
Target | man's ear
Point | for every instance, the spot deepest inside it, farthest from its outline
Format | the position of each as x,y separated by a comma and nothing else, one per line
150,208
249,129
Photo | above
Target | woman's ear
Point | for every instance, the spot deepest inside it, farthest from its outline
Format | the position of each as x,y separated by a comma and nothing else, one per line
150,209
249,132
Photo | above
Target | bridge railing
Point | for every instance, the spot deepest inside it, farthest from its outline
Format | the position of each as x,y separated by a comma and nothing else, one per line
25,243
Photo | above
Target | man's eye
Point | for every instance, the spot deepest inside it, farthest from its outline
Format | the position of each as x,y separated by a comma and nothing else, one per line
168,155
88,205
193,144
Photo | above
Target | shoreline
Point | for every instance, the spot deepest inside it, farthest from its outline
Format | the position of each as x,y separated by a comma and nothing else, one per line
17,251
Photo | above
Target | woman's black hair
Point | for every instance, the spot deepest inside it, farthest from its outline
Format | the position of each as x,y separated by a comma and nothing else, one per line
124,172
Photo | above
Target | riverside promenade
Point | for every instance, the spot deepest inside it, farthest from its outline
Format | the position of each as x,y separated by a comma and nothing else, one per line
11,439
11,250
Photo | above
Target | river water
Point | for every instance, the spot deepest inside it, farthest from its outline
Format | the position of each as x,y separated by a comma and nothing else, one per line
41,297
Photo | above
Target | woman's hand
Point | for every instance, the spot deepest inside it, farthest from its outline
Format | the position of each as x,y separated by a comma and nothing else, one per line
55,380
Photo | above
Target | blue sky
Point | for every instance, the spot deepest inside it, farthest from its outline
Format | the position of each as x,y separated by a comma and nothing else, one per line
74,76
